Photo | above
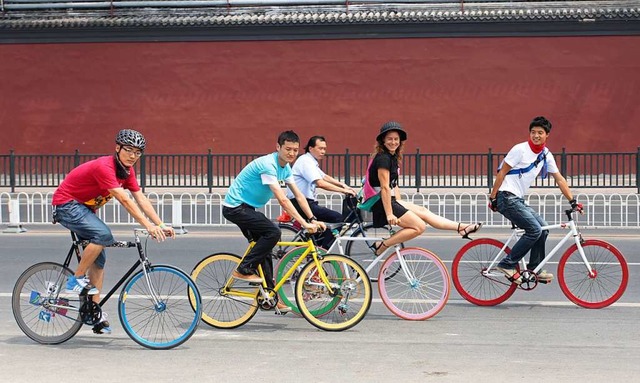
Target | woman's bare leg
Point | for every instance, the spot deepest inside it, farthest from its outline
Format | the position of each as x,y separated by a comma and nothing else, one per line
429,217
412,226
435,220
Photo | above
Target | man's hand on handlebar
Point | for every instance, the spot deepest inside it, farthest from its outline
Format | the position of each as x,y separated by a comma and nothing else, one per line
575,206
169,232
349,190
321,225
314,226
161,232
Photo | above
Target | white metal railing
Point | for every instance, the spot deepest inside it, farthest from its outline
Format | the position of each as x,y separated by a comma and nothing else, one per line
602,210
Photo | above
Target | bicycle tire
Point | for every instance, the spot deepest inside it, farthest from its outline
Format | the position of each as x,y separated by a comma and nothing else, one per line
363,251
422,297
219,310
289,233
466,272
593,292
171,320
43,325
287,293
353,288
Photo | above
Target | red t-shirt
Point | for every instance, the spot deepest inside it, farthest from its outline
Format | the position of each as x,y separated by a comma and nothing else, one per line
90,182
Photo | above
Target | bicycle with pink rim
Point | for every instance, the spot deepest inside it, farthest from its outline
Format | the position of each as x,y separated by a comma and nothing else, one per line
413,282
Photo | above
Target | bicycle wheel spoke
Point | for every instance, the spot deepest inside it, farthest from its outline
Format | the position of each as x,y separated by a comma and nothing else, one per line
35,298
604,285
467,273
420,289
224,309
287,291
340,306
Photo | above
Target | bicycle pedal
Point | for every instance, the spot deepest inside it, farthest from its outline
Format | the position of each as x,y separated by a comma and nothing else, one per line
545,282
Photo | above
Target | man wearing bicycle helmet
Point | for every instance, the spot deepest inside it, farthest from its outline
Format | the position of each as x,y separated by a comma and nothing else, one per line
87,188
308,177
524,162
259,181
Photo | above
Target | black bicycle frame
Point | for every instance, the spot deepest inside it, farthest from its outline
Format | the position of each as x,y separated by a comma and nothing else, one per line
75,248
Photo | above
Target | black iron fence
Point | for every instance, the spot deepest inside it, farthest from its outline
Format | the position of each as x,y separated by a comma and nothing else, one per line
419,170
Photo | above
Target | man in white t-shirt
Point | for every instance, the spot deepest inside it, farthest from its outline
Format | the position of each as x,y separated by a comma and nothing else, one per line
308,176
517,173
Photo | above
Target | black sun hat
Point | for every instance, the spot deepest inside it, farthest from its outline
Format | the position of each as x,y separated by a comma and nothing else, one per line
389,126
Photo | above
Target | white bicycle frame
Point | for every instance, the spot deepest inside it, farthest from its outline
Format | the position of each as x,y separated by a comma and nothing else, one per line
395,248
517,233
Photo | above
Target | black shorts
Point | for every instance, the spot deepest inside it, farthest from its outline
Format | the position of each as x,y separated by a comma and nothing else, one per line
380,217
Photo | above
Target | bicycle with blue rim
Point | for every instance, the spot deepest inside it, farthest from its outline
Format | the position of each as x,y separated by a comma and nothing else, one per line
159,305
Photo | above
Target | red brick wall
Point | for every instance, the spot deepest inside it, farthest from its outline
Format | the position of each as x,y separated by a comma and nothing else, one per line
452,94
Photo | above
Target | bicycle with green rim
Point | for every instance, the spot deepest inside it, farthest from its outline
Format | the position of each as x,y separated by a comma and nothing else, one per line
332,292
413,283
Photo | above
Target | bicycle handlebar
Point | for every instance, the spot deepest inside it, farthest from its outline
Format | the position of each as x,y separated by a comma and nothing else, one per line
306,235
121,244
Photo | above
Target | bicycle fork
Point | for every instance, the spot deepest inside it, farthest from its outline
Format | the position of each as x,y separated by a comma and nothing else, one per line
157,303
342,291
413,281
577,238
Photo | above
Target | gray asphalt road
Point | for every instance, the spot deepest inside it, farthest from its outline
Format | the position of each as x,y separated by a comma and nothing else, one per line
537,335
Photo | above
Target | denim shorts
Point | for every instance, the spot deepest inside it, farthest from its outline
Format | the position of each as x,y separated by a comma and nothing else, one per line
86,224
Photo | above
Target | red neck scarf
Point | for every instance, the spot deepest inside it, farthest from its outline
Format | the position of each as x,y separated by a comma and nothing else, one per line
535,148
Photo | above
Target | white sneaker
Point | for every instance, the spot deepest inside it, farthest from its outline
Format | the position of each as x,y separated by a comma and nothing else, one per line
545,277
512,274
77,285
102,327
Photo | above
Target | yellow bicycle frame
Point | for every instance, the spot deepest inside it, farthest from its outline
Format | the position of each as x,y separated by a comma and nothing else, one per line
310,249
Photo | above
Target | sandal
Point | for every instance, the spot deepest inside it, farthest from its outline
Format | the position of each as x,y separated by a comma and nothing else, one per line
465,233
378,245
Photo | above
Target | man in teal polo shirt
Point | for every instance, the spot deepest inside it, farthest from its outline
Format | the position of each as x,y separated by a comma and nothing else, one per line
262,179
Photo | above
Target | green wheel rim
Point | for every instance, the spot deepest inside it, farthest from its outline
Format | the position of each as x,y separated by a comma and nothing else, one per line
284,265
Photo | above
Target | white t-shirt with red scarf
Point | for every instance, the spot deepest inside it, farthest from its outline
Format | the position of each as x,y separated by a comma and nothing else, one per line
522,156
